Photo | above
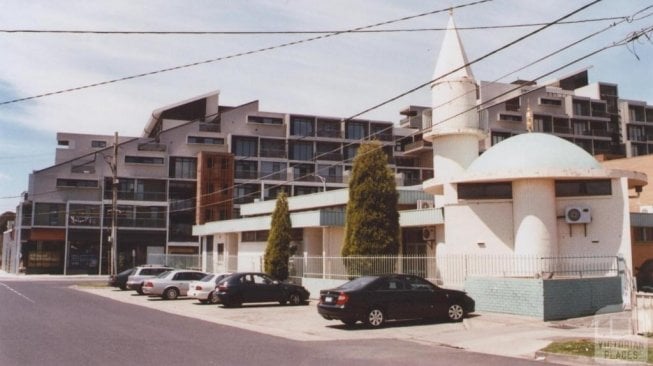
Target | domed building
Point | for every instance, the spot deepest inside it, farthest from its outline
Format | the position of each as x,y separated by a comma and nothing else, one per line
533,200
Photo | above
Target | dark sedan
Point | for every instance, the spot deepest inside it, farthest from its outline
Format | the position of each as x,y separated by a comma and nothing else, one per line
375,299
120,280
246,287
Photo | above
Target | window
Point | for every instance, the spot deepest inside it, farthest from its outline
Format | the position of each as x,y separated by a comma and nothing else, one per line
328,151
549,101
304,172
500,190
642,234
574,188
265,120
302,126
510,117
50,214
328,128
356,130
245,146
513,104
63,143
301,150
499,136
261,235
77,183
273,148
273,170
205,140
150,160
246,193
183,168
246,170
382,132
97,144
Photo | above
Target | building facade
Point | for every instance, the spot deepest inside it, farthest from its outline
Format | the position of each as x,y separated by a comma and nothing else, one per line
196,162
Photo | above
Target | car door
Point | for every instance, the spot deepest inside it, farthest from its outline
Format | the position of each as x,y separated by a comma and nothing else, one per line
182,280
427,299
265,288
391,294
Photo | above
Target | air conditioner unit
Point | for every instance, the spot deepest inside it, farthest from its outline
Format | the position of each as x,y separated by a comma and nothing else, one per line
428,233
578,215
425,204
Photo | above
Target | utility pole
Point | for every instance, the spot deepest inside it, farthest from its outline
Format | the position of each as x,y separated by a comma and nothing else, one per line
114,208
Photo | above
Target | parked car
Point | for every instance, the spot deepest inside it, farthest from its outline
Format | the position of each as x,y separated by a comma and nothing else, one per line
141,273
245,287
204,289
375,299
120,280
171,284
644,276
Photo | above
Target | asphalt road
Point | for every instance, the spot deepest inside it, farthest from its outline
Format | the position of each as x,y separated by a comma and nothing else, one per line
48,323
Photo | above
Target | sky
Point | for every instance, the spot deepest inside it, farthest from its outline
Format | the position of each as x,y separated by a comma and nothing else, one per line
337,76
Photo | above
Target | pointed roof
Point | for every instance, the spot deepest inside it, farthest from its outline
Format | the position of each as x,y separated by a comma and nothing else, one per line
452,56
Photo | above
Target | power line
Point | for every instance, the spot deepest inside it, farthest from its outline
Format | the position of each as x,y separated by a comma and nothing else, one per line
507,45
282,32
260,50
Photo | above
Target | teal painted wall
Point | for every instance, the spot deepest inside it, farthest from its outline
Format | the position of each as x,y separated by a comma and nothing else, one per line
545,299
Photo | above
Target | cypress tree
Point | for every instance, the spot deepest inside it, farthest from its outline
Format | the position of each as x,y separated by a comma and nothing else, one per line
372,219
277,251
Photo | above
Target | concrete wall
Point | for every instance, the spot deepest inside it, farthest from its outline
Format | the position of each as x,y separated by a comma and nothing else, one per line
546,299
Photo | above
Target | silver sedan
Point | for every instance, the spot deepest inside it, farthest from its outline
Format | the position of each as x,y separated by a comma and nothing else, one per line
172,284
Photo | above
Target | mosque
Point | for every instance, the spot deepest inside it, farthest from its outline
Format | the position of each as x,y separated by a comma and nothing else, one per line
533,197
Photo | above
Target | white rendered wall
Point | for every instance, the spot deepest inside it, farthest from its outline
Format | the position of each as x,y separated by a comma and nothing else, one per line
478,228
607,234
534,212
452,154
454,104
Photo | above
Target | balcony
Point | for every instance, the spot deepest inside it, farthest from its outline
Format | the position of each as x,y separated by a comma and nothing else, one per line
273,153
417,147
331,156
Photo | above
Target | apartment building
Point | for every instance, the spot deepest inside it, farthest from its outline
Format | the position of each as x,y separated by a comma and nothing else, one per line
196,162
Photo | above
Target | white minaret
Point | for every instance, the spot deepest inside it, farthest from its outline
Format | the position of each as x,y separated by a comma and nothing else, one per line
454,132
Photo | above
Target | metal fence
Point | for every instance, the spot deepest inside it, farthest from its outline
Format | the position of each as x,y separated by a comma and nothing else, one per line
455,269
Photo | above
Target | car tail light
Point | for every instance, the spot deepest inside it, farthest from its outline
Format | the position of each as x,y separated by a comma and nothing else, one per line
342,299
148,284
222,287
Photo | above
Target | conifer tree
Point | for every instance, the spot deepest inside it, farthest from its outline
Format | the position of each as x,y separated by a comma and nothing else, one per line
372,219
277,252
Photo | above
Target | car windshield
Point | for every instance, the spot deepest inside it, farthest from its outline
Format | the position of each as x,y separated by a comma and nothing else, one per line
357,283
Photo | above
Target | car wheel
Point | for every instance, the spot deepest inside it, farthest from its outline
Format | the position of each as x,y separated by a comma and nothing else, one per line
375,318
455,312
294,299
139,289
123,287
348,322
213,298
204,301
170,294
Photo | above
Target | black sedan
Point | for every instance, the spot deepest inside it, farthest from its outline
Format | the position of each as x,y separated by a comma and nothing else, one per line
247,287
120,280
375,299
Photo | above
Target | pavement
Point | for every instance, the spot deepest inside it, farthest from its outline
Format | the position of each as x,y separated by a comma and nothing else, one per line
483,332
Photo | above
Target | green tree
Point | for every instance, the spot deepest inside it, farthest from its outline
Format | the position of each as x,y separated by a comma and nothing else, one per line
277,252
372,219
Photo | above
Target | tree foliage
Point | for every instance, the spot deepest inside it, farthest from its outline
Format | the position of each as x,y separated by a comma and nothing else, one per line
277,251
372,219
